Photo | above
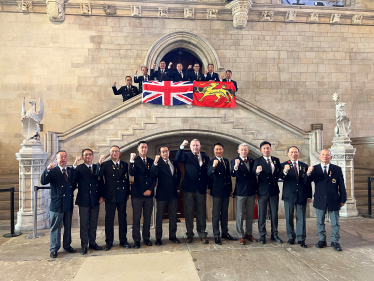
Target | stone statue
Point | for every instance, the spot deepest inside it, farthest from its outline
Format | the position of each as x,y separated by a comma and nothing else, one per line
31,120
343,123
56,10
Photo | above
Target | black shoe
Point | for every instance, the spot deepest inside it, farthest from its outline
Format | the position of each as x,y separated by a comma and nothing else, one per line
108,247
148,242
217,241
291,241
158,242
205,240
53,254
263,239
95,247
70,250
175,240
276,238
336,246
302,244
84,250
321,244
189,240
137,245
229,237
126,245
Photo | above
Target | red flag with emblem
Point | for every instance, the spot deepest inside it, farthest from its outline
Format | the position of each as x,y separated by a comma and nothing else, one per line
214,94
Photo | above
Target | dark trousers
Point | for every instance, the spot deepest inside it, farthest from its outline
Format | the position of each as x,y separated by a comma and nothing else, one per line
220,213
190,200
57,221
273,207
172,209
139,205
110,211
88,217
300,221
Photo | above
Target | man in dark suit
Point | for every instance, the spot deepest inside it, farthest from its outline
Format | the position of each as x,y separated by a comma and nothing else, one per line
210,75
116,192
194,75
178,74
88,199
61,207
161,74
127,91
330,194
267,169
169,176
142,78
194,188
220,189
142,193
295,193
228,79
245,191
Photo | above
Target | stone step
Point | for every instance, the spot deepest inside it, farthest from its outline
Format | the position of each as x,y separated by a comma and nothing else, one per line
363,193
364,201
9,179
5,214
361,171
362,178
364,186
364,210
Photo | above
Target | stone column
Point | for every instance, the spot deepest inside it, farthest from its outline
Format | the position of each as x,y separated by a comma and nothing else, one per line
32,160
240,10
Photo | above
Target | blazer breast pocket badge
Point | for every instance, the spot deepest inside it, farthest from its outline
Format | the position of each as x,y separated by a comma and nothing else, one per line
333,180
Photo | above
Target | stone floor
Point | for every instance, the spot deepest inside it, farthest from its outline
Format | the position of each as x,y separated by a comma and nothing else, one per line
24,259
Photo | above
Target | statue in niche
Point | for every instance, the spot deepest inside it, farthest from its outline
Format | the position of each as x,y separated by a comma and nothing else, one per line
343,123
31,120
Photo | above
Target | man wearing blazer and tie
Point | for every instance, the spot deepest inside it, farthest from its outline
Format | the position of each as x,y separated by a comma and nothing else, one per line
116,192
142,78
295,194
194,186
194,74
178,74
61,207
220,189
127,91
330,195
245,191
88,199
267,169
210,75
142,193
228,79
161,74
168,175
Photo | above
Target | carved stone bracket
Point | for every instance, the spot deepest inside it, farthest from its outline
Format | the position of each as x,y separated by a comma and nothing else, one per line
357,19
110,10
240,11
136,11
211,14
291,16
313,17
335,18
25,6
162,12
267,15
86,8
56,10
189,13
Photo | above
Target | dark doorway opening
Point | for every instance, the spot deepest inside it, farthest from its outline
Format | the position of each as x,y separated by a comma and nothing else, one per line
181,56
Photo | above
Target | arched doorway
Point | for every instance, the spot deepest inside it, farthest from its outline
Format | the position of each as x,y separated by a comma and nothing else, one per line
181,56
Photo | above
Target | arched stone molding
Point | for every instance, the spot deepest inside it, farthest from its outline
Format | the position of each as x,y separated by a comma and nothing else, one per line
195,44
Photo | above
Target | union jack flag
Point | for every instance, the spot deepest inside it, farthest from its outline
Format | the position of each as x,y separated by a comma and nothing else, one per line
167,92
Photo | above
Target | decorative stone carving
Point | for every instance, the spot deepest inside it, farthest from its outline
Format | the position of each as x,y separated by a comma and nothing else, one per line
211,14
136,11
56,10
343,123
189,13
291,16
313,17
25,6
357,19
240,11
86,8
31,120
162,12
110,10
267,15
335,18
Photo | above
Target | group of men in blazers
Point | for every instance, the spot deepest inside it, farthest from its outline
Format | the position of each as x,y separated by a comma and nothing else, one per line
255,180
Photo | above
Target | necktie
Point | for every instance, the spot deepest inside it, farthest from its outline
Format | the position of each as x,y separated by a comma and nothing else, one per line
296,172
270,165
145,78
145,162
117,166
181,73
91,169
170,166
64,174
325,171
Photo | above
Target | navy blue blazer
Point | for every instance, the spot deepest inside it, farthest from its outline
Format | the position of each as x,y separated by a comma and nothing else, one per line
62,192
246,182
89,186
236,86
142,178
117,186
328,192
160,76
267,182
167,185
220,185
195,177
139,80
192,76
209,77
126,93
295,190
174,74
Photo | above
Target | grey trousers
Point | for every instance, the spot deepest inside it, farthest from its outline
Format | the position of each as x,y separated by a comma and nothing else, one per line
88,217
220,213
190,200
247,204
273,207
57,221
139,205
335,227
300,221
172,210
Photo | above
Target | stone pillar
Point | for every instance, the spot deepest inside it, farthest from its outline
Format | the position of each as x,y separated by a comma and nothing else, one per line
342,155
32,160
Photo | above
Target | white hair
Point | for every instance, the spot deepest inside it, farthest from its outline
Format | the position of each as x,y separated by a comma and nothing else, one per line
243,144
196,140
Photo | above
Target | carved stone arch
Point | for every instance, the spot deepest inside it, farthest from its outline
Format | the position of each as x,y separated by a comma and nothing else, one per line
195,44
